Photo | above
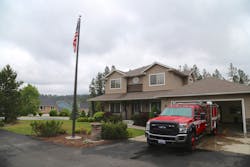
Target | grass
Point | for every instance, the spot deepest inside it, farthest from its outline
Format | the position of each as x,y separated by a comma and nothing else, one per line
135,132
23,127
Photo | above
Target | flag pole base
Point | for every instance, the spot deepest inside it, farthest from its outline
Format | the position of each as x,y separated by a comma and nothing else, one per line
73,138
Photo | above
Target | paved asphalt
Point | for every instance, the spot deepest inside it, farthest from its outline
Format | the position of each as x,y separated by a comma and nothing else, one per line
24,151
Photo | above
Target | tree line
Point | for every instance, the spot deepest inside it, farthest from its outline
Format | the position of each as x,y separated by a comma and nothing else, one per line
14,100
234,74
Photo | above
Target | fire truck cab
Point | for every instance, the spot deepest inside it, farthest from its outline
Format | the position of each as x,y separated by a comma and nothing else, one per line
182,123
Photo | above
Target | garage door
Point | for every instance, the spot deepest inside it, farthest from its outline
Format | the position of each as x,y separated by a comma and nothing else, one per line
232,113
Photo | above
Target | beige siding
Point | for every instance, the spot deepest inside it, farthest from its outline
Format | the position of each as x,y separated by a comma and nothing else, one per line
171,80
130,80
123,88
247,106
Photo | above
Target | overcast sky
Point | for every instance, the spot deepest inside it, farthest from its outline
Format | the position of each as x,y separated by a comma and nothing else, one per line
36,37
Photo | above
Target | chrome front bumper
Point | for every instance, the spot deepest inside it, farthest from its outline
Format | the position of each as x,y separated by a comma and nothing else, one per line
180,138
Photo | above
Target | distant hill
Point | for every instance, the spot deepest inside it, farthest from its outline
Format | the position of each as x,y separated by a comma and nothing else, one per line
66,100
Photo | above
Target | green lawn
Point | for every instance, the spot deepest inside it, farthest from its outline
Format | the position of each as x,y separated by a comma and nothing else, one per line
135,132
23,127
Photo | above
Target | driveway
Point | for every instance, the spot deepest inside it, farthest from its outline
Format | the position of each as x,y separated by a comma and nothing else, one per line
22,151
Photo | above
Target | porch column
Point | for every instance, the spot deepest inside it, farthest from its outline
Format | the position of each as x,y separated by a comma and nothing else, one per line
92,108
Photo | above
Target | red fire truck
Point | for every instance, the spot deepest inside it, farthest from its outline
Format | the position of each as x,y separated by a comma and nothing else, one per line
183,123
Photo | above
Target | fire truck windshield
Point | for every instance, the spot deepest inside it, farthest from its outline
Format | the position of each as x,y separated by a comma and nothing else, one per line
184,112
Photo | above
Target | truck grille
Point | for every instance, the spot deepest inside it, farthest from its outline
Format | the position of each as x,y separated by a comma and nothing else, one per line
164,128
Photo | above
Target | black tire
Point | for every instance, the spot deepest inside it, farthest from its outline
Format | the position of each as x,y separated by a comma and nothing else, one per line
191,141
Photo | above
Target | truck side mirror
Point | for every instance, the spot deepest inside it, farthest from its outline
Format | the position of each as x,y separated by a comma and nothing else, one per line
203,116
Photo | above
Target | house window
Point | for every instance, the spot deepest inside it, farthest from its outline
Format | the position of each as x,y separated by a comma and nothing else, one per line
155,107
115,107
115,83
136,108
157,79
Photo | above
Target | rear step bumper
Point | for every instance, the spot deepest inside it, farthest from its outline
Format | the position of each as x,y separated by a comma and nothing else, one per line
161,139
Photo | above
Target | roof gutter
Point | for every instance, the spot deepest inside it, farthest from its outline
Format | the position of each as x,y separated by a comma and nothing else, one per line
205,94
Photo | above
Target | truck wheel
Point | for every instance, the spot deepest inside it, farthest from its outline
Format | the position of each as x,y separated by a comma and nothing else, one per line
191,141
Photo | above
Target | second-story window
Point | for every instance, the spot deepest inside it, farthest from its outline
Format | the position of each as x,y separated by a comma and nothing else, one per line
115,83
157,79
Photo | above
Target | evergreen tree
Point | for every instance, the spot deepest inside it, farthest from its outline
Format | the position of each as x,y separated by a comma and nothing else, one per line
185,68
113,68
243,77
9,94
106,72
205,74
217,74
196,72
99,84
233,74
92,90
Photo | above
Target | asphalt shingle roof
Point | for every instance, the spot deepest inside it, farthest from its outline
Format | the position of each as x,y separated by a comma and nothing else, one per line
209,86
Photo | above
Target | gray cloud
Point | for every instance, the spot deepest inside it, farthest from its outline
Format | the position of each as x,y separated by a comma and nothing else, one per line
36,37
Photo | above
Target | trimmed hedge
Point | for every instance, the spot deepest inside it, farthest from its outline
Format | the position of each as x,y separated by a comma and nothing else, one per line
114,131
47,128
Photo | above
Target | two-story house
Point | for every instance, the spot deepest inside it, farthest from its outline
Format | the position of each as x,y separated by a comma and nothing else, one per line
157,85
132,92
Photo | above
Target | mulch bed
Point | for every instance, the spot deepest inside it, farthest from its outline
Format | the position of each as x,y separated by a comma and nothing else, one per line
81,143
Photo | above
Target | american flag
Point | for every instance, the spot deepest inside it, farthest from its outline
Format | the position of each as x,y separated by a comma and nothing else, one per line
76,37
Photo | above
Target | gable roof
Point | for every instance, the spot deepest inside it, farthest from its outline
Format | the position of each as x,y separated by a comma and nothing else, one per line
142,70
137,71
120,72
208,86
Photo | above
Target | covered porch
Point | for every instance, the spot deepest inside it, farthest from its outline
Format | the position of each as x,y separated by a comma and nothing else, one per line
129,104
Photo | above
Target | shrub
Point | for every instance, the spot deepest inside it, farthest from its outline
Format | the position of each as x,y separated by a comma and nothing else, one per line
82,119
99,116
91,119
1,123
114,131
82,114
140,119
53,113
65,112
48,128
40,114
34,113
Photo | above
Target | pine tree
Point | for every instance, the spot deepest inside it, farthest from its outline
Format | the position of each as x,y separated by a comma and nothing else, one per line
205,74
233,74
217,74
92,90
10,101
106,72
99,84
243,77
196,72
113,68
185,68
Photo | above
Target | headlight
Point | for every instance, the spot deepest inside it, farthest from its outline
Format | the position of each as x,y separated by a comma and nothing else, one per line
148,126
183,128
